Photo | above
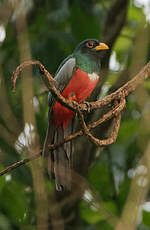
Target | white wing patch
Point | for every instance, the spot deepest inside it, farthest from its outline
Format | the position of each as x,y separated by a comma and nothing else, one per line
93,76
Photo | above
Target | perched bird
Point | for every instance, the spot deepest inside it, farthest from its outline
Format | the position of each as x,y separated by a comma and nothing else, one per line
76,78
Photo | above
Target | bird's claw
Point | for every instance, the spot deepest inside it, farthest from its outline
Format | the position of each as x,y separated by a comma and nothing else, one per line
76,105
88,105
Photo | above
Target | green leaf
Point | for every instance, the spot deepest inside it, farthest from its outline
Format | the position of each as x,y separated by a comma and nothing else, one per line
123,191
99,177
122,46
147,84
146,218
14,202
104,226
4,223
84,25
92,215
136,16
128,130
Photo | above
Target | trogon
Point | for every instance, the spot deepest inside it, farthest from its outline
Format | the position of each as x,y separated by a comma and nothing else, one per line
76,78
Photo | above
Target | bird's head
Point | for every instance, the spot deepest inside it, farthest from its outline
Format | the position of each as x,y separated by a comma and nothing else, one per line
91,47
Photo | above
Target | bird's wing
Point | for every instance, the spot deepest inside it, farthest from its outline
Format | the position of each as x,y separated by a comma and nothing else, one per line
63,75
65,72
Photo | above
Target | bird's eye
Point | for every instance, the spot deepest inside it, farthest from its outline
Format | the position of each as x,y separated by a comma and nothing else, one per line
90,44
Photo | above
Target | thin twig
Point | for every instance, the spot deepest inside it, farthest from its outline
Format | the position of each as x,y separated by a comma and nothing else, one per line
19,163
113,135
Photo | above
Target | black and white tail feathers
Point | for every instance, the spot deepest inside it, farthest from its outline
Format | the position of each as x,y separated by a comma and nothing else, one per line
60,159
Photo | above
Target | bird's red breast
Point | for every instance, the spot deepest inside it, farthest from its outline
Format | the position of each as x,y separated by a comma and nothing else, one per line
79,88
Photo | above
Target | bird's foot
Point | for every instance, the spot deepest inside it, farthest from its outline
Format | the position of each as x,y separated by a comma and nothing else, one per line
88,105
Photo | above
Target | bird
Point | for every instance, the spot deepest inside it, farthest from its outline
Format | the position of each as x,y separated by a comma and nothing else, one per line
76,78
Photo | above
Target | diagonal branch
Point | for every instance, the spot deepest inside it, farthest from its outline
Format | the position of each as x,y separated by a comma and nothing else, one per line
49,81
19,163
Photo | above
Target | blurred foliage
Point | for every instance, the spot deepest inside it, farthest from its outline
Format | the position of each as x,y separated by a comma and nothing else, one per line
54,28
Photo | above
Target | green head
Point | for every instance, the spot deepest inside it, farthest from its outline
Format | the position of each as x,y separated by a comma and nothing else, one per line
88,55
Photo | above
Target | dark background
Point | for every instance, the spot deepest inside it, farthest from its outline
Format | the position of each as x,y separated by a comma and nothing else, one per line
117,186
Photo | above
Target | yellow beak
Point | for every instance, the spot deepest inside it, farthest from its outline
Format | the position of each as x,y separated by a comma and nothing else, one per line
102,46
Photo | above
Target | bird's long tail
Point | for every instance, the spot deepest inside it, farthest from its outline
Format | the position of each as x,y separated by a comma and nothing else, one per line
60,159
